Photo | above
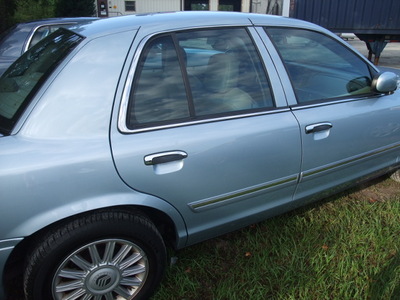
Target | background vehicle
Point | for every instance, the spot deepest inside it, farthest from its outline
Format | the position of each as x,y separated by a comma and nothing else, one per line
22,36
129,134
376,23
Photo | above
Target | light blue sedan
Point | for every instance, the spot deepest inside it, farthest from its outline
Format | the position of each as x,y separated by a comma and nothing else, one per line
128,135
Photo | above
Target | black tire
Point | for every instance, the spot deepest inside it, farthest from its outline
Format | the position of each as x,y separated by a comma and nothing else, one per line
105,253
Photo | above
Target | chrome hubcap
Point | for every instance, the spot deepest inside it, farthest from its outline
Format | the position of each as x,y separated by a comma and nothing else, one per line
103,280
106,269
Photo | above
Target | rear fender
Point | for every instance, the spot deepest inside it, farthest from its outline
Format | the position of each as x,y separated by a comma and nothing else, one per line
51,216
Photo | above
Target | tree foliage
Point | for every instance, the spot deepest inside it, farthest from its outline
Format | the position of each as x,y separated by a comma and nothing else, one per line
28,10
81,8
7,10
17,11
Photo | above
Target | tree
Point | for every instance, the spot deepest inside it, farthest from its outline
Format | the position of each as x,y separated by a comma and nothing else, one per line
81,8
28,10
7,10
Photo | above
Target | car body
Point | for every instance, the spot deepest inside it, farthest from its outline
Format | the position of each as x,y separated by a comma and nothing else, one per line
22,36
130,133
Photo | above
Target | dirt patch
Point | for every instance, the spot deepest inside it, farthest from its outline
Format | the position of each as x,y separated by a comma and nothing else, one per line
379,190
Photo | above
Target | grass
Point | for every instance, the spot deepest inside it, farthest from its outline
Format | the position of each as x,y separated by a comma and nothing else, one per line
345,247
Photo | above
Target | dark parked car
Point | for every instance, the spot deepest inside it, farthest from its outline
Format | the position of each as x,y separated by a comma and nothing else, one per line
130,134
23,36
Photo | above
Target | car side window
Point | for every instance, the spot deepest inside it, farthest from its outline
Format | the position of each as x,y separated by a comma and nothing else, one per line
197,74
320,67
159,93
225,71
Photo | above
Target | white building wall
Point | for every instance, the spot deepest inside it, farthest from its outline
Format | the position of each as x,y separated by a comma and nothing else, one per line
273,7
246,5
158,5
214,5
117,7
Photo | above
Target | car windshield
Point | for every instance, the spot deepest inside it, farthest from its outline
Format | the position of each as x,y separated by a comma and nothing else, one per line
24,77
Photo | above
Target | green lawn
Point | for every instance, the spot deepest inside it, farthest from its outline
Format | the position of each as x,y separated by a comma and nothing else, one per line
344,247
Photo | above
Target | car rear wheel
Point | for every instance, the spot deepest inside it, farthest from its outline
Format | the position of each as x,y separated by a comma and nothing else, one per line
105,255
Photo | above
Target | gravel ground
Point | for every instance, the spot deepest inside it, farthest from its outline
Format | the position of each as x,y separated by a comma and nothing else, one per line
390,56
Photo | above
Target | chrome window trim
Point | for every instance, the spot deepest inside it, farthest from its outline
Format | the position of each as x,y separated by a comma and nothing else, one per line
332,101
123,109
28,42
202,121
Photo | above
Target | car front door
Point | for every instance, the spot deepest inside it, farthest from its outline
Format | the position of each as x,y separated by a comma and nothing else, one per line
203,127
348,131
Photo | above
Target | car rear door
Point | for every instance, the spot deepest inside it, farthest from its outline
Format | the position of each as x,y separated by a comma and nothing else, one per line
347,130
204,127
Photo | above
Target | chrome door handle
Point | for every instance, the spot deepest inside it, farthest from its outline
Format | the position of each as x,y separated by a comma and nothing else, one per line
164,157
318,127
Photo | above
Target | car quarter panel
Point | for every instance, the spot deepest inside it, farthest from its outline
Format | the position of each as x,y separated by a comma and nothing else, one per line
92,73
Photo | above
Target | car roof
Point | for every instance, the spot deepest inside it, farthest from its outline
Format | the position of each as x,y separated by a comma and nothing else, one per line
158,22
